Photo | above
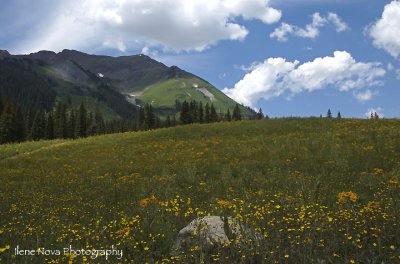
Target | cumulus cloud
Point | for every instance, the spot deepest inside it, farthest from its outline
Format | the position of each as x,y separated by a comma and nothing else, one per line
277,76
372,111
364,96
386,31
170,24
311,30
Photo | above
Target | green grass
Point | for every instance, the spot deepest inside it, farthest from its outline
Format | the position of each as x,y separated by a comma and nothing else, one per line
281,178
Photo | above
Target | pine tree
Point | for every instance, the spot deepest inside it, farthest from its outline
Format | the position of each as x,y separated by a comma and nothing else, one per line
339,115
71,124
228,116
150,117
142,118
201,113
19,124
329,114
60,121
38,130
185,115
213,114
99,120
207,118
236,115
81,122
168,121
29,121
376,116
7,124
91,126
50,126
1,105
194,112
260,114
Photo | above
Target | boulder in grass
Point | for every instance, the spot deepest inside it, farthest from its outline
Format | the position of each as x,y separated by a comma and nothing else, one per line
210,233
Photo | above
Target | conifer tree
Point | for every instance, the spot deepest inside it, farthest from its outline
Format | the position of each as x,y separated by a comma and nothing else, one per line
339,115
142,118
185,117
99,120
50,126
260,114
30,115
329,114
1,105
228,116
60,121
150,117
207,116
236,115
71,124
91,126
173,121
19,124
38,130
7,124
168,121
194,112
201,113
213,114
81,122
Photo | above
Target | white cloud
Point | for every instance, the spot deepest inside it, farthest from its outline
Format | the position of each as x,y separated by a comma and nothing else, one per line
372,111
170,24
364,96
339,24
276,76
311,30
386,31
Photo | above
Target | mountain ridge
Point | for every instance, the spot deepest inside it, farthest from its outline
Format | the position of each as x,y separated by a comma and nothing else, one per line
131,82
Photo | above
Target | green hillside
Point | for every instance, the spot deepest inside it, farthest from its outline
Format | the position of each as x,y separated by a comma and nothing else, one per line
163,95
314,189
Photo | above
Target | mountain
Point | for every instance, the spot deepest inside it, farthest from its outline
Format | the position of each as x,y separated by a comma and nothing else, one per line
117,86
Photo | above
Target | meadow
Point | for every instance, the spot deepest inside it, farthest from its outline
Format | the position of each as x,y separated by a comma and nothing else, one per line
316,190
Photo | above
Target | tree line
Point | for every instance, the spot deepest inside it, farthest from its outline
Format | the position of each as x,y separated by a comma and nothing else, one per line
194,112
63,121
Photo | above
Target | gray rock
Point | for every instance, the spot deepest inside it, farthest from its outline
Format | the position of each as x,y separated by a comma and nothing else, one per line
212,232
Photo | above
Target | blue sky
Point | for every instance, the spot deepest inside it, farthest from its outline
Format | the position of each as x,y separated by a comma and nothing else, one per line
289,57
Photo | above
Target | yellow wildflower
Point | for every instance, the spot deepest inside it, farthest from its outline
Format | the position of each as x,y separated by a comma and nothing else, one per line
4,248
350,195
393,182
224,203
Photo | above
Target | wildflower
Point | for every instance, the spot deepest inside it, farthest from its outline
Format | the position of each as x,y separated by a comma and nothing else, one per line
145,202
373,205
378,171
393,182
286,256
350,195
224,203
4,248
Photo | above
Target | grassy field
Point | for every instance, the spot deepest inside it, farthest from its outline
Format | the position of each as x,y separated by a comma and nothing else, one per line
316,190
